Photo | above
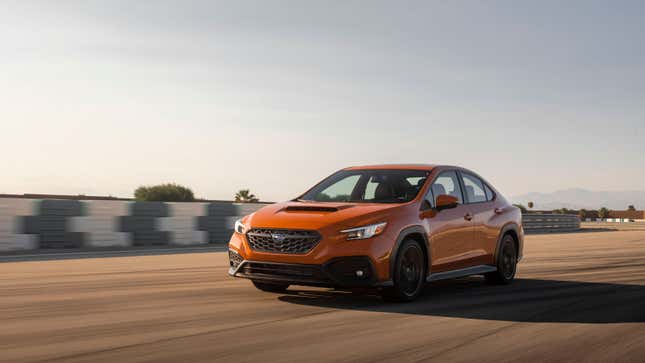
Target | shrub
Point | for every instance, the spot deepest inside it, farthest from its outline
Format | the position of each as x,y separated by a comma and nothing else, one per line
164,193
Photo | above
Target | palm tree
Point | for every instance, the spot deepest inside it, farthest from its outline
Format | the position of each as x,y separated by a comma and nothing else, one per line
245,196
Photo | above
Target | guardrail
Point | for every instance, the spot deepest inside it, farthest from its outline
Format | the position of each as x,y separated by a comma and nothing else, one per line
545,223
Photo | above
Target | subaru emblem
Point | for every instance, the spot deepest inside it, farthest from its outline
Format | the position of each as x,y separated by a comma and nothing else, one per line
278,237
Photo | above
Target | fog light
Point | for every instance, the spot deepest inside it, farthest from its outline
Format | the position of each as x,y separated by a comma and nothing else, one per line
359,273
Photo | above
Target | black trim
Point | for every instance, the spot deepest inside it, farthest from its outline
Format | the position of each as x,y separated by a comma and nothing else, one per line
402,235
462,272
329,274
511,226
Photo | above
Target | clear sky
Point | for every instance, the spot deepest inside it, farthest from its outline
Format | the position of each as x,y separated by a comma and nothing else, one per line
99,97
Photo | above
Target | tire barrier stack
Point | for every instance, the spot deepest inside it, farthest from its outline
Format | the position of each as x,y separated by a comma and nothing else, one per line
27,224
219,220
50,224
182,226
101,225
550,223
142,223
12,213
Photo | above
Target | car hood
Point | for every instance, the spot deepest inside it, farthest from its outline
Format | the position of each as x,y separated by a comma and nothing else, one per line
313,215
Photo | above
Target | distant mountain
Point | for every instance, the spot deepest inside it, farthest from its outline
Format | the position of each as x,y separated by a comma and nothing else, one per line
581,198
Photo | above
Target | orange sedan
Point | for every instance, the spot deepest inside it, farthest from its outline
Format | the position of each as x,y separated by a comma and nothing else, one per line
391,227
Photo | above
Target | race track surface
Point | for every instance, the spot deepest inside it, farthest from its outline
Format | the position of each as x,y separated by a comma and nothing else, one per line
578,297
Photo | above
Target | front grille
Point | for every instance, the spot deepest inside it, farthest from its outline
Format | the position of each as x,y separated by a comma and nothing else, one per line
289,241
234,258
312,273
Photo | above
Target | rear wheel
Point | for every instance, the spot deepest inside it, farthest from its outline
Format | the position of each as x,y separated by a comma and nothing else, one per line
270,287
506,263
409,273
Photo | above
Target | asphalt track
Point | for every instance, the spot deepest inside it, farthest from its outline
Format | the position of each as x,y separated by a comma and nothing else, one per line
578,297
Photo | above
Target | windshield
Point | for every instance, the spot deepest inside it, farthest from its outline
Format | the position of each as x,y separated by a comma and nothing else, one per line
368,186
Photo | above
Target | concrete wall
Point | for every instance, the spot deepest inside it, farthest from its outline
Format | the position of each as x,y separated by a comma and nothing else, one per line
56,224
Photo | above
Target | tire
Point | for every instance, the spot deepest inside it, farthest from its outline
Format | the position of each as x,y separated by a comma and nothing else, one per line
409,273
270,287
506,263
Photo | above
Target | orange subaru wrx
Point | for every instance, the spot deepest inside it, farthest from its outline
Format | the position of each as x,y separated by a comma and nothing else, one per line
391,227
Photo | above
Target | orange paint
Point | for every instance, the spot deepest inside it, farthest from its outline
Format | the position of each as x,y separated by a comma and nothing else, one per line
458,237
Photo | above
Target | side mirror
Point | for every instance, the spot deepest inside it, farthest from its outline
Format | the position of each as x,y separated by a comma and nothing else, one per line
445,201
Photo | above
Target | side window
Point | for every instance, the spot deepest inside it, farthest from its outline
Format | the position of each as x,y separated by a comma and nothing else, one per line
475,192
370,189
447,183
490,195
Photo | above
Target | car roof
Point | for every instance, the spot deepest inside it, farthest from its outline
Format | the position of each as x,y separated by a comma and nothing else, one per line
427,167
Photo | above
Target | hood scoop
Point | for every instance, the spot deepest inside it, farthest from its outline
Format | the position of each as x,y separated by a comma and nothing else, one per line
313,208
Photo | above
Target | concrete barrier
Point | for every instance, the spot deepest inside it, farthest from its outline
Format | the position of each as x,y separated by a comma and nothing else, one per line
62,224
545,223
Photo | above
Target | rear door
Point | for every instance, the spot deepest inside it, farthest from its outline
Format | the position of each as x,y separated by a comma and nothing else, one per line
479,199
451,230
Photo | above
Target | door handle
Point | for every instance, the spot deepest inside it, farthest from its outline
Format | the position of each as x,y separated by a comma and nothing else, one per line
468,217
499,210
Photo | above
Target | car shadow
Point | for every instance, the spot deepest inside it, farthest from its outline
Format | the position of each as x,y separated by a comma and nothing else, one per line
526,300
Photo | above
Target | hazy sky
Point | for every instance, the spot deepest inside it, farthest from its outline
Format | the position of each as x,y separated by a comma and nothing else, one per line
98,97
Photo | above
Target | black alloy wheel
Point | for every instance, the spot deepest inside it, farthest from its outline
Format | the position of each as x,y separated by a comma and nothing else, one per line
506,263
409,273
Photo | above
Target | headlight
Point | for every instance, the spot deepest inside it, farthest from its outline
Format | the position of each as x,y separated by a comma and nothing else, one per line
239,226
365,231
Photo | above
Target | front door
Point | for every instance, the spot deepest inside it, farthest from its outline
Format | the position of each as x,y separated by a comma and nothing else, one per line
451,230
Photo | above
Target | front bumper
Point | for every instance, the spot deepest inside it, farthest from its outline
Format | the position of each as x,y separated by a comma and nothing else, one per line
337,272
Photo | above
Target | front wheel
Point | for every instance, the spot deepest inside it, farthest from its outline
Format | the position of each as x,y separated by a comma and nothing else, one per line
506,263
270,287
409,273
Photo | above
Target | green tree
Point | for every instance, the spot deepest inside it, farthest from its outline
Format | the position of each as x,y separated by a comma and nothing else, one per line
164,193
603,213
564,211
245,196
521,207
631,208
582,213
